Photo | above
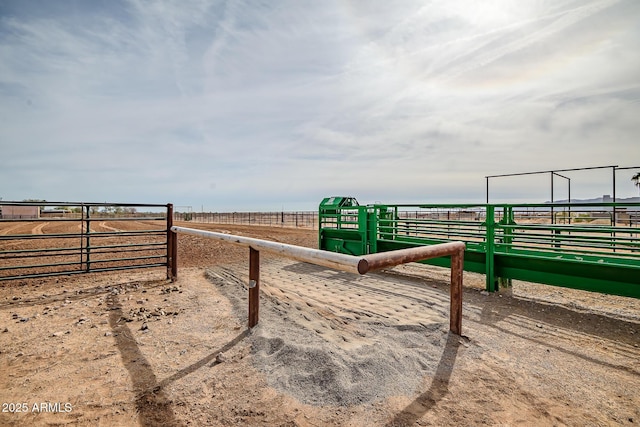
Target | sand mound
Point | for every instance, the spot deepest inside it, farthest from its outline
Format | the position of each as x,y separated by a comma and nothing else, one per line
320,373
314,350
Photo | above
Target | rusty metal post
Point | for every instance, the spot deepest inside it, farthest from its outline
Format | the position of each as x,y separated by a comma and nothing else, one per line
254,286
174,255
455,321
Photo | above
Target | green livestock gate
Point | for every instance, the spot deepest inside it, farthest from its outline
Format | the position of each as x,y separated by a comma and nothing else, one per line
590,246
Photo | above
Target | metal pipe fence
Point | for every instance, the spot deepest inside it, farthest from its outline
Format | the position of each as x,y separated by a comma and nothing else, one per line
300,219
590,246
38,241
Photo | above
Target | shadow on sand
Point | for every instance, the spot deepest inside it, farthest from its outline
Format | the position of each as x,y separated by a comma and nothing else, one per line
439,387
152,403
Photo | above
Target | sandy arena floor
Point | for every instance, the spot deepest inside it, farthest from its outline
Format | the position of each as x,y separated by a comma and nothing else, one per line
331,349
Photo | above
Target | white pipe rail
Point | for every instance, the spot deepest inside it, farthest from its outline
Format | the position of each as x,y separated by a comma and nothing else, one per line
352,264
335,260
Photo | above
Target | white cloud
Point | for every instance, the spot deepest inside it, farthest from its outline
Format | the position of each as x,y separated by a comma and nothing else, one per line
237,104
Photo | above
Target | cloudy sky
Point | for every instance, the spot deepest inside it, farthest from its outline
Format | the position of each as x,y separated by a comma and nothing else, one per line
263,105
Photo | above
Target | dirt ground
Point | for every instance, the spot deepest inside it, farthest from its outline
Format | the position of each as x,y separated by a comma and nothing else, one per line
331,349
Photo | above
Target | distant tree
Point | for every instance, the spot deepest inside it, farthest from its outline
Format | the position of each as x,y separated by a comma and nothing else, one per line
108,210
117,210
636,180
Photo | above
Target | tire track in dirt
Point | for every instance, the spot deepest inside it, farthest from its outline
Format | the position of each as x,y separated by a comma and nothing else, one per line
9,229
12,228
38,228
104,225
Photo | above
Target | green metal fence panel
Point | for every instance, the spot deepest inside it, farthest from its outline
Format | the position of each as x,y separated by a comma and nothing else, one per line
343,226
595,247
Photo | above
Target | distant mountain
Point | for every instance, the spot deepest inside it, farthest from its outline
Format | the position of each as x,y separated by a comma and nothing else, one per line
604,199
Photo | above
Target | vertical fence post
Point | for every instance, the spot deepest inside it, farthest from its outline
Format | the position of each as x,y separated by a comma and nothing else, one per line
169,239
509,220
81,236
172,246
88,240
490,242
254,286
174,256
457,270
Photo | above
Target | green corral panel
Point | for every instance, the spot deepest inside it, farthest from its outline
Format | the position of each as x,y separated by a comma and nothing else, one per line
594,247
617,279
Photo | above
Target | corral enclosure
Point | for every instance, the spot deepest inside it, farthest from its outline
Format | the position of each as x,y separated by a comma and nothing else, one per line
131,347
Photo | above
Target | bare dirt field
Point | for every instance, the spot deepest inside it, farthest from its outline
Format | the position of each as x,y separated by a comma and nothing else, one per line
331,348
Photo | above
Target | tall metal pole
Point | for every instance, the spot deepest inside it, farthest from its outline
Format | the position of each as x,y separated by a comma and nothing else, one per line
569,180
569,195
613,168
487,178
552,216
613,218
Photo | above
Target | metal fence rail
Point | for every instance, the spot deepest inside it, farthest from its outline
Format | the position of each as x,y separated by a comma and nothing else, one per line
593,246
81,238
302,219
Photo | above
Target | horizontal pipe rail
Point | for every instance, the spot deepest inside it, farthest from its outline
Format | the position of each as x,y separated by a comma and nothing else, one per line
24,253
353,264
93,270
68,252
94,234
93,261
314,256
33,266
349,263
53,219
